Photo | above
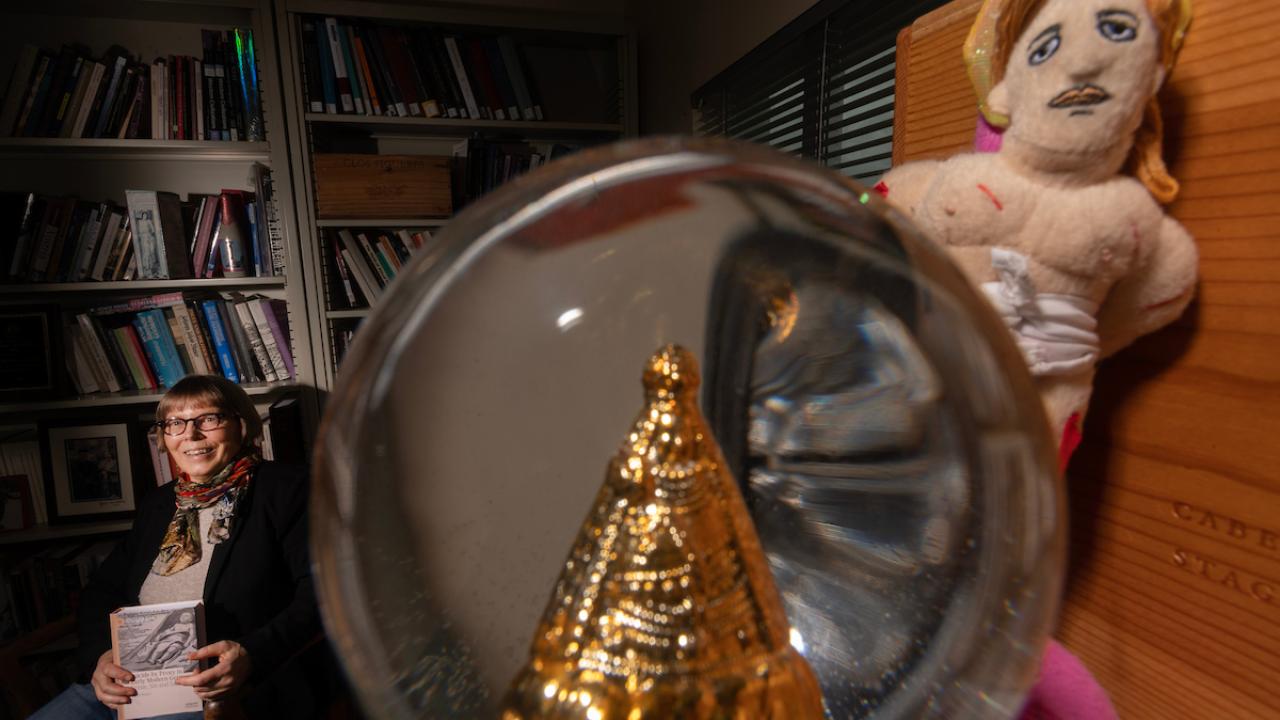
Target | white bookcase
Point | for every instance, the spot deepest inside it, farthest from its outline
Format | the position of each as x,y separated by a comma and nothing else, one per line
417,135
102,169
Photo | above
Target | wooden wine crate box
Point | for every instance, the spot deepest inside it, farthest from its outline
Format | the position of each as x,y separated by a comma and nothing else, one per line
382,186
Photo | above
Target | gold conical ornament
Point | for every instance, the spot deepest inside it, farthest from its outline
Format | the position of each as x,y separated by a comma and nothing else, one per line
665,607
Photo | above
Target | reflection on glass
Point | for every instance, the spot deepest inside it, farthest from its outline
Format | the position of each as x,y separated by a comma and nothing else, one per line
873,411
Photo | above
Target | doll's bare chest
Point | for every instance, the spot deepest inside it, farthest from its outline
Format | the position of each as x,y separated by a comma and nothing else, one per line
1093,233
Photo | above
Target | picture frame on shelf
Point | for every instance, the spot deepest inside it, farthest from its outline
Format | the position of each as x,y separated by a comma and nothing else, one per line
31,353
91,469
17,511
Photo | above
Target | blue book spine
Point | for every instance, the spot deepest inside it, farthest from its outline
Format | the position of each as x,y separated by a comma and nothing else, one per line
157,341
37,105
328,81
104,114
220,346
247,68
254,243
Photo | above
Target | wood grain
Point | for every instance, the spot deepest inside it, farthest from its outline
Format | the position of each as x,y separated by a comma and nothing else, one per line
382,186
1173,598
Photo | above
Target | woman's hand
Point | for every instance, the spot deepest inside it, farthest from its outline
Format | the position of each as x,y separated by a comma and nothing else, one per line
106,680
222,680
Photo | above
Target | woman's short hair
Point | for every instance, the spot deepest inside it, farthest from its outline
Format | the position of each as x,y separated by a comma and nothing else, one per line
213,391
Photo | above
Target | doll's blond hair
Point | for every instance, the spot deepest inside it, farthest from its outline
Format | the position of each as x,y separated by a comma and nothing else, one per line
1171,18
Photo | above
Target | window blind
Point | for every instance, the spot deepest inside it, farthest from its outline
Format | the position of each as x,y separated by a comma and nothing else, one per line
822,87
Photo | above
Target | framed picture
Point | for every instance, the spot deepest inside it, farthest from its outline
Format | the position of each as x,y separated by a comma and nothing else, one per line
16,509
30,352
89,470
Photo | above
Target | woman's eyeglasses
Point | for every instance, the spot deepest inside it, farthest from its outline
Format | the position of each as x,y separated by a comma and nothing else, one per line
173,427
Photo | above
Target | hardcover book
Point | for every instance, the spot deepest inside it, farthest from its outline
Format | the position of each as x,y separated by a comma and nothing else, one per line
153,642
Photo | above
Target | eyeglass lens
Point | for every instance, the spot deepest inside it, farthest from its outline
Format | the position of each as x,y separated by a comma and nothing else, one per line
208,421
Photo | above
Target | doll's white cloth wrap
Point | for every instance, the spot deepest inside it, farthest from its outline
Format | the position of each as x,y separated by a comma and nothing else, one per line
1056,333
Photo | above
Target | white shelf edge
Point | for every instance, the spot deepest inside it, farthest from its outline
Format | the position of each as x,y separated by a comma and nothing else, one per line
383,222
122,399
346,314
457,14
529,127
82,148
37,288
57,532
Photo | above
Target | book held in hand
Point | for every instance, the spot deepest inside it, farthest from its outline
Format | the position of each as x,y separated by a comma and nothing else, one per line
153,642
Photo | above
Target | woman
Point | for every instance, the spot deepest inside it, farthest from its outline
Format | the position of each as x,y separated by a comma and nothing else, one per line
231,530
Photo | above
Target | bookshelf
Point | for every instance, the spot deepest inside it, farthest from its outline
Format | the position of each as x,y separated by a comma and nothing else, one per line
333,317
98,170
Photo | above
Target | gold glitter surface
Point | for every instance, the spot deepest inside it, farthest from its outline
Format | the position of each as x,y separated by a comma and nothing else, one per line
665,607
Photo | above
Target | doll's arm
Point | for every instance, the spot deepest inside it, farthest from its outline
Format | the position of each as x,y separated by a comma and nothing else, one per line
905,185
1154,294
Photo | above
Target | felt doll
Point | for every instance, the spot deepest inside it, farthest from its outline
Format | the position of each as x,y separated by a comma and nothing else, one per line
1062,227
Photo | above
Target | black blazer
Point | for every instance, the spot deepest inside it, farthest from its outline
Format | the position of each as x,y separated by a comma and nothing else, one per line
258,591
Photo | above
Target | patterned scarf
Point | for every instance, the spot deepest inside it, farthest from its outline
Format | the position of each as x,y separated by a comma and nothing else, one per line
181,546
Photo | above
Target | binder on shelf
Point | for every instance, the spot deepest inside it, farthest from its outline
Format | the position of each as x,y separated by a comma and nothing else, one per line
274,339
395,96
19,81
156,220
67,121
201,336
341,80
359,265
64,65
369,78
501,78
189,337
311,76
253,338
460,72
159,346
92,341
245,362
84,377
529,110
85,109
344,46
482,78
221,344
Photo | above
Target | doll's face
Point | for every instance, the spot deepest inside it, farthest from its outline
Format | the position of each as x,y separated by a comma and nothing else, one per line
1080,75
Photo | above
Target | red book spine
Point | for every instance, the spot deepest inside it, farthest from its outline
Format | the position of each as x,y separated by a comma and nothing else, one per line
479,67
403,74
140,355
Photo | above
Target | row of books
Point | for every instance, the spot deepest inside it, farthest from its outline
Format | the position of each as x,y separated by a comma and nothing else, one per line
153,342
481,165
342,333
363,261
44,587
369,69
71,94
155,236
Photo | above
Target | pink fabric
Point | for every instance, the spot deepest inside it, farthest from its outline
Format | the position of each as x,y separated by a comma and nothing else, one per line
1066,691
987,137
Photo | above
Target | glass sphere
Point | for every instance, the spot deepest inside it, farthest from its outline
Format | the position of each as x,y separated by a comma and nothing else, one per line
873,410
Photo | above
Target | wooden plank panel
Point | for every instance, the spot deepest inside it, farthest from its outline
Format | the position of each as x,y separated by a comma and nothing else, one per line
1174,594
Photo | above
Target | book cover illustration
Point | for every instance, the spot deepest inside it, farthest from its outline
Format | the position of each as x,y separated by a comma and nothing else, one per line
153,642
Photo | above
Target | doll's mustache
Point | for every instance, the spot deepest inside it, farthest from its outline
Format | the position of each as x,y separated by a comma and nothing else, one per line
1085,94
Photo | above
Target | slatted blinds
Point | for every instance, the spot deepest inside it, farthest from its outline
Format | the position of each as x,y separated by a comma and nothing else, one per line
822,87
